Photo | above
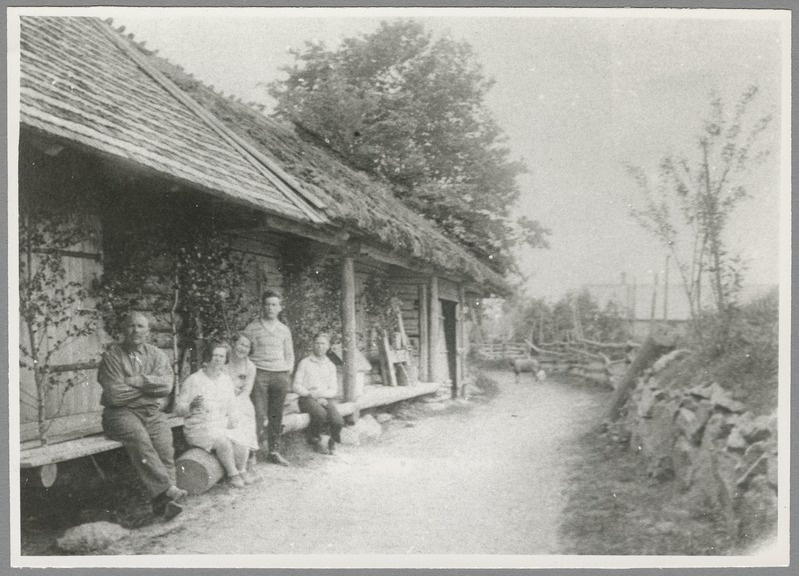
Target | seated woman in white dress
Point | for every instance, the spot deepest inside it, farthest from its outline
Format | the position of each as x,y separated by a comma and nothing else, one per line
242,371
207,401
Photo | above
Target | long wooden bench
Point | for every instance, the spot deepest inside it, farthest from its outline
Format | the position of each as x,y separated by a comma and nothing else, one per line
71,449
46,458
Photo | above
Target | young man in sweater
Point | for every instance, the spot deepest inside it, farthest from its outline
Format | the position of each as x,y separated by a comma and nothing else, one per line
273,356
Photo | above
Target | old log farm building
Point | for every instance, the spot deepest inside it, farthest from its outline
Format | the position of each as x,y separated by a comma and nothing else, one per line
129,140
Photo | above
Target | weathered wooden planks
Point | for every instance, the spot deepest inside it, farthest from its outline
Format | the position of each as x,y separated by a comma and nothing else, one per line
33,456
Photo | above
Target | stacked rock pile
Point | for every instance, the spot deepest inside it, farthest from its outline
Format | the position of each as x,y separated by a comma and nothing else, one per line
720,453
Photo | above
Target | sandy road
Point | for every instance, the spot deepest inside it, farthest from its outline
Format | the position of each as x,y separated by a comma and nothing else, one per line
482,480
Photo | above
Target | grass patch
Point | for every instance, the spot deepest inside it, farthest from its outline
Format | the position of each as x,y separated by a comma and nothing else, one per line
740,353
614,508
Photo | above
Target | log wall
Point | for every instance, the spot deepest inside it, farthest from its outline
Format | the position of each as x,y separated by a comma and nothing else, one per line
261,253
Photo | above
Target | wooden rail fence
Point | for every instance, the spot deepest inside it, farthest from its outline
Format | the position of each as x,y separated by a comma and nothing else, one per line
602,362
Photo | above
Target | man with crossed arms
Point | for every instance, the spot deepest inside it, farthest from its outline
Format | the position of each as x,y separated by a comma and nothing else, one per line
136,378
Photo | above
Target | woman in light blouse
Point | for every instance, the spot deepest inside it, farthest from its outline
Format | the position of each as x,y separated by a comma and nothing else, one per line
207,401
242,372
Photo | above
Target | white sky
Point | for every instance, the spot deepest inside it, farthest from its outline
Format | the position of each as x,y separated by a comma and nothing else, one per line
578,95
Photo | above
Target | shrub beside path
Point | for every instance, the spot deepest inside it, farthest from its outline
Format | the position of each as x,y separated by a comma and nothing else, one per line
481,477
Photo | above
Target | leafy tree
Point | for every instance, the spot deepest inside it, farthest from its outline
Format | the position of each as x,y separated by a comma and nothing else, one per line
542,322
689,205
50,303
600,324
410,109
562,320
609,324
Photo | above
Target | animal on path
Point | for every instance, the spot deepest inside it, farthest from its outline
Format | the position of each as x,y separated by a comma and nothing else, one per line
520,365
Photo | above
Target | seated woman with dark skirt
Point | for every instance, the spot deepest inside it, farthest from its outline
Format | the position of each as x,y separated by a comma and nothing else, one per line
317,386
207,400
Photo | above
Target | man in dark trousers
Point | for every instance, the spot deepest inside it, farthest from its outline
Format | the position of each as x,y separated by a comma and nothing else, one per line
273,356
317,386
136,378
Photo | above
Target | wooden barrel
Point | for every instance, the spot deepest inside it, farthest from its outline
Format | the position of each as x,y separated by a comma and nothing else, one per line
198,470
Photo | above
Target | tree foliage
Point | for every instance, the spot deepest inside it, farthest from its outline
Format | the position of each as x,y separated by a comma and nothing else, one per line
49,303
689,204
311,295
575,315
180,267
410,109
378,300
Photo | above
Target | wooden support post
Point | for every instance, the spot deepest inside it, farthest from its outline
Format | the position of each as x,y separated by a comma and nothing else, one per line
666,289
434,331
461,340
424,334
541,327
654,302
349,341
387,357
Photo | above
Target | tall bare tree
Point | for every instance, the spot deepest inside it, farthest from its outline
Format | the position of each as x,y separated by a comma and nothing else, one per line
688,205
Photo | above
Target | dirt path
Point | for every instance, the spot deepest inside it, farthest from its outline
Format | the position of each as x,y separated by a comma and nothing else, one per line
482,480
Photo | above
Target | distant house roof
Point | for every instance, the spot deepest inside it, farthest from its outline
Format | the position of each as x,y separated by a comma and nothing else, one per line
84,81
77,82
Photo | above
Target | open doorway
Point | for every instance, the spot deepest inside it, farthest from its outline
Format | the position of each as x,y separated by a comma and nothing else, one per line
449,314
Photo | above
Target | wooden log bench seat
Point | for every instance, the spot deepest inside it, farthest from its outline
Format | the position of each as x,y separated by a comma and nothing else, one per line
43,460
197,470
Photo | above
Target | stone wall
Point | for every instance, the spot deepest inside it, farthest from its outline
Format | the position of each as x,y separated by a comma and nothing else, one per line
722,455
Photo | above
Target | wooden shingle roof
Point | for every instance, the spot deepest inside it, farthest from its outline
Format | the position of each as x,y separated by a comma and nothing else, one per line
351,198
78,82
84,81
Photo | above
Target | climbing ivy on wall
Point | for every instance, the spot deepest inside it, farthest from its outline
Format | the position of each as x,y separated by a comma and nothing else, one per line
377,297
180,267
311,294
